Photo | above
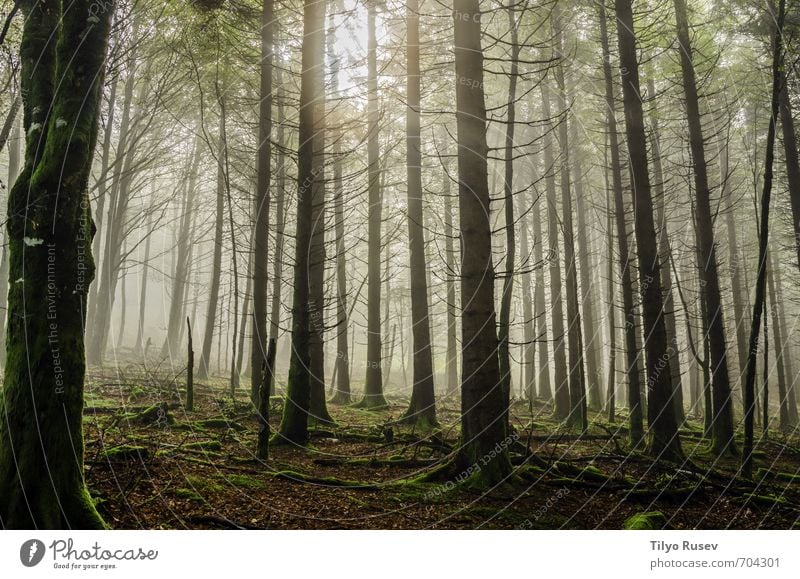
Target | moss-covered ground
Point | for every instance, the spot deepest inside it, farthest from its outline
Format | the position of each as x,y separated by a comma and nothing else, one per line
151,464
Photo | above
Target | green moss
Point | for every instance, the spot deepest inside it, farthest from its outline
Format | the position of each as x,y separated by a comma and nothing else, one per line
126,452
204,445
647,521
204,485
768,500
190,494
217,423
763,473
244,481
323,481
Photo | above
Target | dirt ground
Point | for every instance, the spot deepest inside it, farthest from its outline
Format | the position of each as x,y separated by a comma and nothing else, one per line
152,465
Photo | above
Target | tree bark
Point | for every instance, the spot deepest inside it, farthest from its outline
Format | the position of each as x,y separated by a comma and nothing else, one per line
180,281
561,395
723,441
483,427
763,240
341,394
422,409
450,263
577,379
294,424
626,282
50,234
664,441
373,385
258,350
664,251
792,162
203,371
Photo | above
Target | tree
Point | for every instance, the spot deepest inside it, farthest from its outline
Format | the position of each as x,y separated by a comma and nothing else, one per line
626,285
561,394
203,371
50,235
261,218
483,424
763,240
504,327
373,384
294,424
664,441
577,379
664,252
422,409
341,394
723,408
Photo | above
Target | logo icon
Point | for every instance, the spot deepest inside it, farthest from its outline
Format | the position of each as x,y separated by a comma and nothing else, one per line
32,552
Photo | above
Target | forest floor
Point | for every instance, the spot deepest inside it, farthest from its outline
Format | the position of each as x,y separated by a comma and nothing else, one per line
152,465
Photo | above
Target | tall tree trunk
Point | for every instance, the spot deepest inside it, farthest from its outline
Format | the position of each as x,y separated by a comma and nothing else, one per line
450,264
763,240
422,409
611,382
561,394
791,398
41,434
734,265
280,223
180,281
258,347
373,385
723,441
504,327
318,408
143,287
528,358
587,293
294,424
203,371
778,345
245,315
341,394
626,281
483,428
543,386
664,441
103,185
664,251
792,162
577,379
100,310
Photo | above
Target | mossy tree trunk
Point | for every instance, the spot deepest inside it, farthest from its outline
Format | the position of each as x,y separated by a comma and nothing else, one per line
50,234
483,424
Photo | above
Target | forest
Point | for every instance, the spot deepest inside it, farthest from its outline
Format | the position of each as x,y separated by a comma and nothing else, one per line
384,264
